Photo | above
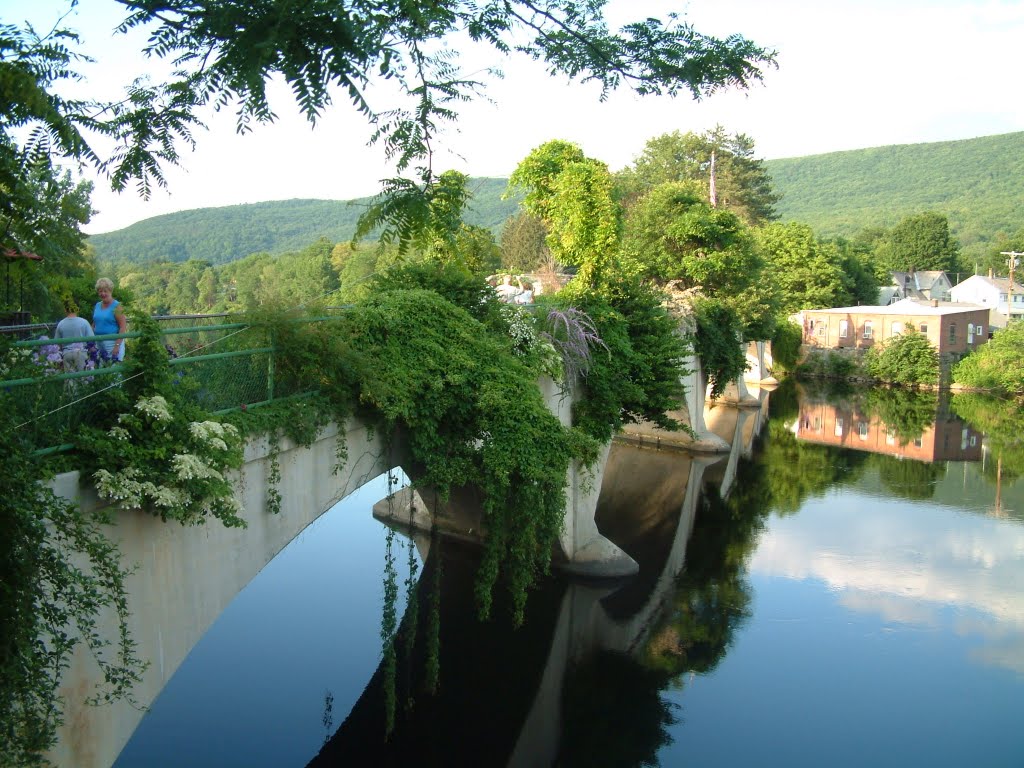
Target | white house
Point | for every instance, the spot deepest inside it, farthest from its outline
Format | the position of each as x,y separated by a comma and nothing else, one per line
925,285
991,292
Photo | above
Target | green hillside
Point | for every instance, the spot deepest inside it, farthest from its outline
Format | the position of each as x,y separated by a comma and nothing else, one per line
976,183
222,235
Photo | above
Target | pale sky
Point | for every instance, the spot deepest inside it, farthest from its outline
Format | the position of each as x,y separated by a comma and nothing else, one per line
852,74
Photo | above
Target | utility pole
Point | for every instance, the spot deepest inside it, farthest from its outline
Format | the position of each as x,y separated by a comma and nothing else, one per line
712,191
1012,257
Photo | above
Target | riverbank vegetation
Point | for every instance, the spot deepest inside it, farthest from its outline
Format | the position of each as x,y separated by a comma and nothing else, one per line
998,365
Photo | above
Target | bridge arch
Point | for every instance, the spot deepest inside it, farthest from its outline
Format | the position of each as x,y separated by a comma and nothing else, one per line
170,613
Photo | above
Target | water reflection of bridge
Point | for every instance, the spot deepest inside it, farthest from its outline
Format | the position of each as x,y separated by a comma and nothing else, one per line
502,695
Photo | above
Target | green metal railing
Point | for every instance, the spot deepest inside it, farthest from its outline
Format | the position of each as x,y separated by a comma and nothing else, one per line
237,371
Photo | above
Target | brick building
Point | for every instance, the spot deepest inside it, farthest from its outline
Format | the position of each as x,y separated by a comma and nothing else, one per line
953,329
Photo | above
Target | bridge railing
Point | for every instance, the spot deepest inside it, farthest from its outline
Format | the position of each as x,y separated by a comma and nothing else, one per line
225,366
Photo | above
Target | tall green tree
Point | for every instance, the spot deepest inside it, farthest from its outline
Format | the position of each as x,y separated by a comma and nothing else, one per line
673,234
572,195
806,273
999,264
41,213
858,263
921,241
742,183
208,290
524,245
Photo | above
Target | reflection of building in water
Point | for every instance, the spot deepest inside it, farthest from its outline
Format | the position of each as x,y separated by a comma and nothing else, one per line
946,439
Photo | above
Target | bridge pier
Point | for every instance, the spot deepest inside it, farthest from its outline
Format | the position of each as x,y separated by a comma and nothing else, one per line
585,628
584,551
587,552
759,364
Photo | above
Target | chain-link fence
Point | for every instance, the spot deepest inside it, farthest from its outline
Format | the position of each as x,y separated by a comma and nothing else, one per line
56,386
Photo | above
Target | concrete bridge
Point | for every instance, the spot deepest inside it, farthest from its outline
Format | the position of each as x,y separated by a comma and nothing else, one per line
576,623
186,576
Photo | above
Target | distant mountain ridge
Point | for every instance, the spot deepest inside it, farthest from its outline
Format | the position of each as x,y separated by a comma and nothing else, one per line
976,183
224,234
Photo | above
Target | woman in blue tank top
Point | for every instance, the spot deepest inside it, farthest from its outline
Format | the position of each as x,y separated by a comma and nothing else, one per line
108,317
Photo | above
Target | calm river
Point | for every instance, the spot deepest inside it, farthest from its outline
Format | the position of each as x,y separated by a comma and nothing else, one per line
856,599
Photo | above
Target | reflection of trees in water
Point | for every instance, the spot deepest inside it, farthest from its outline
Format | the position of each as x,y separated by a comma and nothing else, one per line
1002,422
821,390
788,471
785,470
905,412
784,403
907,479
462,686
613,713
712,597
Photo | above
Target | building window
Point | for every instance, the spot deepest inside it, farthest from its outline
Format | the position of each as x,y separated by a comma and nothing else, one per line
952,332
1002,297
844,329
924,327
897,329
821,328
862,430
867,329
918,443
839,427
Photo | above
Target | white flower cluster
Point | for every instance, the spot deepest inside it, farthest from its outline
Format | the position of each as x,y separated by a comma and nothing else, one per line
119,433
124,488
155,407
520,328
550,361
188,466
213,433
14,356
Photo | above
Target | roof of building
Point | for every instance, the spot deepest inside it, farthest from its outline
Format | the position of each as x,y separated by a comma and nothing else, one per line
10,253
908,307
921,280
887,292
1001,283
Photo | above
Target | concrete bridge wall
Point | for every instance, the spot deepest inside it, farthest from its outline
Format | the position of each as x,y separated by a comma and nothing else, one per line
186,575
